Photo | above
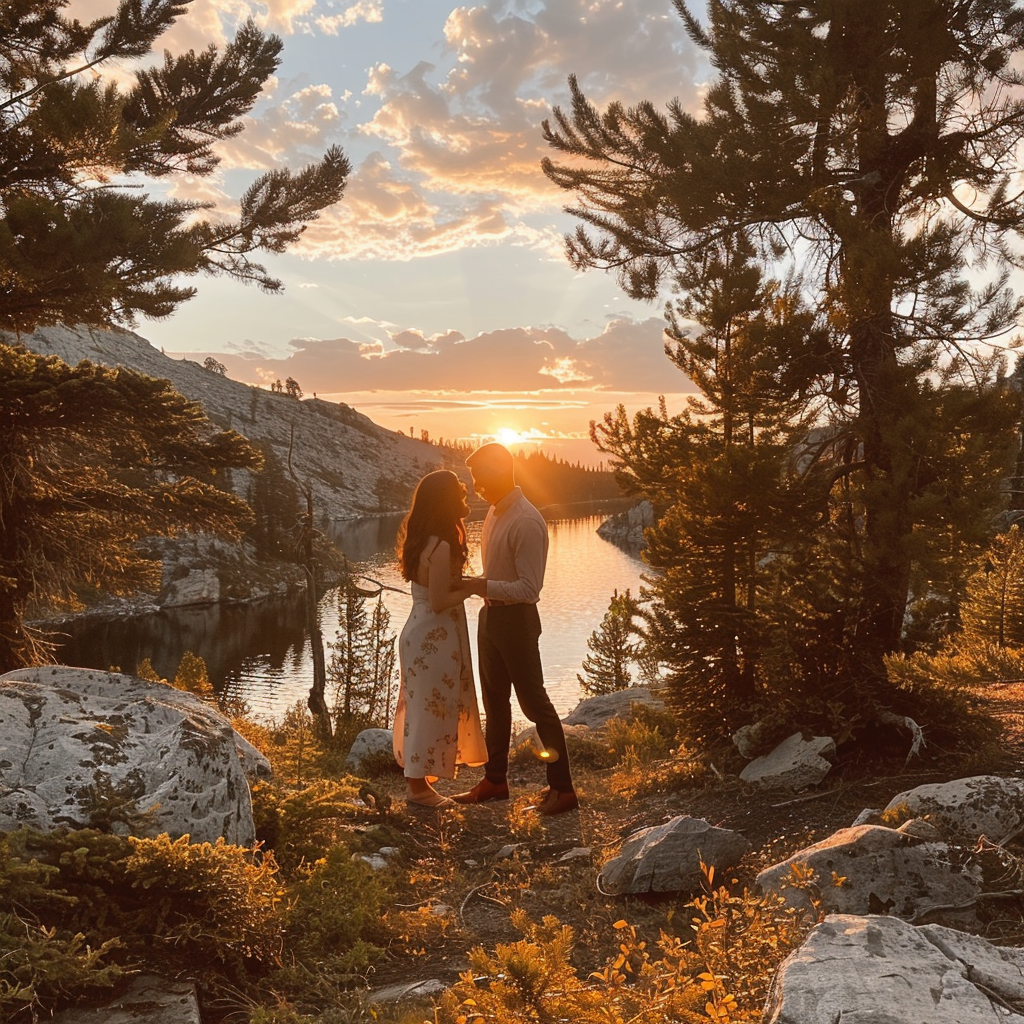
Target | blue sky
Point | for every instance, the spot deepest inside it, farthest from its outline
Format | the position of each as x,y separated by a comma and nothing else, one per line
436,294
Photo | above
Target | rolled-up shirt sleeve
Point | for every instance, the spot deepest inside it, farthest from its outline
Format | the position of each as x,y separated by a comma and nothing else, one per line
527,543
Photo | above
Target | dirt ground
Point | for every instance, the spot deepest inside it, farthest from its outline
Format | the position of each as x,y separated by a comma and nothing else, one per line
471,867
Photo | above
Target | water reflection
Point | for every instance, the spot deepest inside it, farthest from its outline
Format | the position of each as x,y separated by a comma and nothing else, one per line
260,652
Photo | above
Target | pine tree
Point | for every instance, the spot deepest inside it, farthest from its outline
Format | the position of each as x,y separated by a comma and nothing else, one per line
274,499
993,611
613,648
877,142
92,460
730,495
351,655
79,241
383,662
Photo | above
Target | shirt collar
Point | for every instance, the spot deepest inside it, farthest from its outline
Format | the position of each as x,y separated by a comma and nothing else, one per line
508,501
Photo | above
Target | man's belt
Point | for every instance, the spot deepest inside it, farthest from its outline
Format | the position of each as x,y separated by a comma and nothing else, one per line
490,602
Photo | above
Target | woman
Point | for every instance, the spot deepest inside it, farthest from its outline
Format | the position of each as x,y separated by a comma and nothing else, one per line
437,724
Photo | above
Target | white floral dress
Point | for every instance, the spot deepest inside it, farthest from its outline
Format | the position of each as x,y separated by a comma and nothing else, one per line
437,722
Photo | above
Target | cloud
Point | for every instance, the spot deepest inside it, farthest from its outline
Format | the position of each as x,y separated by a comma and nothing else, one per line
627,356
364,10
386,215
292,129
476,129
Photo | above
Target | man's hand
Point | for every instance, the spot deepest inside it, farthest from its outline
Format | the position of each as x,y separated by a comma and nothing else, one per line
477,585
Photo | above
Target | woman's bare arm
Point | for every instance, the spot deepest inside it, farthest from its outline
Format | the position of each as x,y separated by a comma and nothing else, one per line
444,591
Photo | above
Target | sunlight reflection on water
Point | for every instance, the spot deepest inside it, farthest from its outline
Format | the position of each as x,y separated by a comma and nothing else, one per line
583,570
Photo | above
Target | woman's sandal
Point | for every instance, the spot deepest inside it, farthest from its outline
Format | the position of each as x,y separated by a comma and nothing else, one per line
432,801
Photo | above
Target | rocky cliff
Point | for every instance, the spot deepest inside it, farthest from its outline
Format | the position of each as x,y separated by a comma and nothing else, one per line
353,466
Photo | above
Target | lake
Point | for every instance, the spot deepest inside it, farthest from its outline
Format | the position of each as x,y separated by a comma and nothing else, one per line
260,652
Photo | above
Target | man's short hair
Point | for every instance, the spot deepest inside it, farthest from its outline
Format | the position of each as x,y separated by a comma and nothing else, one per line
493,455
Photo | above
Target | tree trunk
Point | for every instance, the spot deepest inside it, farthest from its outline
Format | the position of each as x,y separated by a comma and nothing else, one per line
316,700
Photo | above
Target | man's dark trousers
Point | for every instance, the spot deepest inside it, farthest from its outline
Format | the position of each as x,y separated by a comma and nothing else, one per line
507,637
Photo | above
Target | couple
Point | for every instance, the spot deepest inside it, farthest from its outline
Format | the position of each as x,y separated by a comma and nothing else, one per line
437,725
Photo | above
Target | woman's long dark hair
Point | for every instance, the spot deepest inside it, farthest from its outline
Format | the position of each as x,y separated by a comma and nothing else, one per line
436,512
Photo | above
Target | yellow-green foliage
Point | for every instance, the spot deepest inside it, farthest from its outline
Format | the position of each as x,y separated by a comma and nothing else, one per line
219,900
302,825
38,966
644,733
192,675
651,733
335,913
993,607
896,816
90,904
719,969
948,689
338,903
145,670
962,664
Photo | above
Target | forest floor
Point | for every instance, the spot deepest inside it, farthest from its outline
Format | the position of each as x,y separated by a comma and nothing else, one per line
471,867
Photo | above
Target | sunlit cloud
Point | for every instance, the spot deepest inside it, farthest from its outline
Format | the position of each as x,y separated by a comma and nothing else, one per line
365,10
564,370
475,129
626,355
388,216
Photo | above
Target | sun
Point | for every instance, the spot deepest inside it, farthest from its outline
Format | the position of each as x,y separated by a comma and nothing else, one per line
507,436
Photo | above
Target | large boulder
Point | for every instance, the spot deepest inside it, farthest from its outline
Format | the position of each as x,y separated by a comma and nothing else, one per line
872,869
667,858
794,764
982,805
83,748
881,970
596,711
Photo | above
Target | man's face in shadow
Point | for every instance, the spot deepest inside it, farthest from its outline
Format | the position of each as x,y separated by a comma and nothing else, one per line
489,484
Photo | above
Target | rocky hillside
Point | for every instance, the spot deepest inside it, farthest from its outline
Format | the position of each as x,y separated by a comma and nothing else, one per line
353,466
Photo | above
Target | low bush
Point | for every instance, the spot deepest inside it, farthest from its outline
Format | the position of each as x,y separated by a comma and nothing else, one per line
87,907
719,968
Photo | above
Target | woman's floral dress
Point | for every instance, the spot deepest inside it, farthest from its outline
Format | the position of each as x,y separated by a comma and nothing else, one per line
437,722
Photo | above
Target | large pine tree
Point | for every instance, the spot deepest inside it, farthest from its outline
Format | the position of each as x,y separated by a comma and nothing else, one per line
876,143
79,241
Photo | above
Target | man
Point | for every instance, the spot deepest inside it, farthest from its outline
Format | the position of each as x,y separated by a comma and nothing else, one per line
514,549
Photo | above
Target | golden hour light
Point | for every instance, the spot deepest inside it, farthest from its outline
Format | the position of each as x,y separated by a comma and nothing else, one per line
612,483
507,436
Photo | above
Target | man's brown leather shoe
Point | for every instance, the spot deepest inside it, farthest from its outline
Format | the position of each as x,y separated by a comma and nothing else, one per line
483,791
557,802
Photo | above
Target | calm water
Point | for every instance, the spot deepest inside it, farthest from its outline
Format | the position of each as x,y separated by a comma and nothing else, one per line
261,652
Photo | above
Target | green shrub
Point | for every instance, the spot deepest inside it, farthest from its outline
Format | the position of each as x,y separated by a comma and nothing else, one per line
39,967
192,676
947,692
302,825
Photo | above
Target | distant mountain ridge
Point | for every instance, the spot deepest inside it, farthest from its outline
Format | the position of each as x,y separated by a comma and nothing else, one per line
353,466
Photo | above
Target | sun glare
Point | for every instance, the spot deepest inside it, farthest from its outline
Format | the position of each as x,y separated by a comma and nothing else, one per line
507,436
